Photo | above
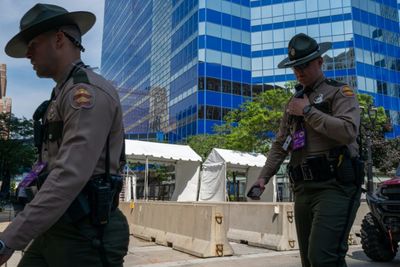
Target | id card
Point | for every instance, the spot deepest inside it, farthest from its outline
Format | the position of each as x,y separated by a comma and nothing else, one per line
33,174
287,143
299,139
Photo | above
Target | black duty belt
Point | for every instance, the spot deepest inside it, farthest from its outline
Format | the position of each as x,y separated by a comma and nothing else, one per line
316,168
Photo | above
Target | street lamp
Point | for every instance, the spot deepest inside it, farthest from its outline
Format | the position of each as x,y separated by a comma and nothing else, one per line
368,121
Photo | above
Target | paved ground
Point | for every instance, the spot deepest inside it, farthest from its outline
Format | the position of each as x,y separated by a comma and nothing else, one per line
148,254
145,254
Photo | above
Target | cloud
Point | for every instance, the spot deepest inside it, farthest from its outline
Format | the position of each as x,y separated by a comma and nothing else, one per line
23,86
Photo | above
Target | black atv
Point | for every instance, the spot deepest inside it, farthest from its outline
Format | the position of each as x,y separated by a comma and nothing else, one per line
380,228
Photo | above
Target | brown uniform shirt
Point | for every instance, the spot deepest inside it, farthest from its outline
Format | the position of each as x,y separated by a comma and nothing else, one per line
89,112
335,126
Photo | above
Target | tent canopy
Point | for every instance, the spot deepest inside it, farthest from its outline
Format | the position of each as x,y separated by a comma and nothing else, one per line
214,175
186,161
140,150
240,160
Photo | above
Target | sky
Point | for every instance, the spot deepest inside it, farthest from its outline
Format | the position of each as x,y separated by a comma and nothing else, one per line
23,86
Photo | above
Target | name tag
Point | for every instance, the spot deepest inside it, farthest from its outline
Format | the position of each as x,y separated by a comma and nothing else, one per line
286,145
33,174
299,139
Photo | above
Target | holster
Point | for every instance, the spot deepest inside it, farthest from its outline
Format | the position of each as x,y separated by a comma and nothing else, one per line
97,200
359,170
349,170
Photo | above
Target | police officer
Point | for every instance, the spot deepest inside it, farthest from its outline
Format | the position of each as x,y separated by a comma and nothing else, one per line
82,140
318,130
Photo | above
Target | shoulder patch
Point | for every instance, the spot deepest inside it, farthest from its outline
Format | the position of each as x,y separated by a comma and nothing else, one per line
82,97
334,82
346,91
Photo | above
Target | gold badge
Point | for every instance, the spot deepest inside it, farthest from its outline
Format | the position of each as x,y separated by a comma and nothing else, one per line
292,52
82,98
347,91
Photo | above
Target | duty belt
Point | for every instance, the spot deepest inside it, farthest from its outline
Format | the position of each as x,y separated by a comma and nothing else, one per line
316,168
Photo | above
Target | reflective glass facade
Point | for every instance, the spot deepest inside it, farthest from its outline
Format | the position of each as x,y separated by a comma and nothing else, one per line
181,65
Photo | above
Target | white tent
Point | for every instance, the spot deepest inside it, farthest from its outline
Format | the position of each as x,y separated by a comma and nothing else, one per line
215,167
186,161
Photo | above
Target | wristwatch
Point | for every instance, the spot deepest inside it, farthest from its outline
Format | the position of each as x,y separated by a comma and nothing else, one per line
4,249
307,109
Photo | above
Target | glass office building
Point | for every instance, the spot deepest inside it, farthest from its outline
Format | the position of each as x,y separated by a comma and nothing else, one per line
181,65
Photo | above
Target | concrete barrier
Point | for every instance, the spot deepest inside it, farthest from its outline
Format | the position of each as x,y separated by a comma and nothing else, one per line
271,225
266,224
188,227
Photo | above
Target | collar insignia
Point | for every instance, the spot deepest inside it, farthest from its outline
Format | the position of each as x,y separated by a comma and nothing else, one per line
318,99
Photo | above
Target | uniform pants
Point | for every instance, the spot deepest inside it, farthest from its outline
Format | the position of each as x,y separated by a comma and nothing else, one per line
66,245
324,213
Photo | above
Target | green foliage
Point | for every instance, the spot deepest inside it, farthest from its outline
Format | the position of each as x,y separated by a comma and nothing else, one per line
16,149
385,152
379,122
247,128
161,173
203,144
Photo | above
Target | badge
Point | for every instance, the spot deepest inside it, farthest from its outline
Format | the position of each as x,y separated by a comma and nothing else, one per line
299,139
292,52
346,91
318,99
51,113
82,97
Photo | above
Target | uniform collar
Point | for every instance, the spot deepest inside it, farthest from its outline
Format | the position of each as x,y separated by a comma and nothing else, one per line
316,85
67,75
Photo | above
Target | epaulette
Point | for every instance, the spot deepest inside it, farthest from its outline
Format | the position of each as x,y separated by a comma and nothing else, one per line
80,76
335,83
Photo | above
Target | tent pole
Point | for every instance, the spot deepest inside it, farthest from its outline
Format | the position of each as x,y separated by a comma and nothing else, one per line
146,180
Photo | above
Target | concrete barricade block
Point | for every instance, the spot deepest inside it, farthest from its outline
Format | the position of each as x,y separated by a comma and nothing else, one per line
195,229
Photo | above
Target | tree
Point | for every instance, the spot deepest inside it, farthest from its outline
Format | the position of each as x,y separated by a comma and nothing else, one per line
385,152
252,127
249,128
16,149
203,144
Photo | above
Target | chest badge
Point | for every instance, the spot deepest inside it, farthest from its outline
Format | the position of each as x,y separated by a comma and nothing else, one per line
52,113
318,99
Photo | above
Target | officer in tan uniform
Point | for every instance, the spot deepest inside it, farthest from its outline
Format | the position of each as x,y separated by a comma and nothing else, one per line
319,130
73,219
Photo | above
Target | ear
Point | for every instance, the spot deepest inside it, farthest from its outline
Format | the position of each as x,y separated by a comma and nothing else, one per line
320,61
60,39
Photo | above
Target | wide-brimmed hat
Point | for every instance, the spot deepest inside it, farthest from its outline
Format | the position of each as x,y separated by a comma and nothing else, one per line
302,48
42,18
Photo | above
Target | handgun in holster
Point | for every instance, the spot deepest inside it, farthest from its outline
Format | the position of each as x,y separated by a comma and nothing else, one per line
100,198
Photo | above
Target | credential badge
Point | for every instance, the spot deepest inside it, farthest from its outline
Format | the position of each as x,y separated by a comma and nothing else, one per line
318,99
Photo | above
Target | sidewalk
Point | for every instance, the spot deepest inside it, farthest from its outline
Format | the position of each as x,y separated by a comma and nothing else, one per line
148,254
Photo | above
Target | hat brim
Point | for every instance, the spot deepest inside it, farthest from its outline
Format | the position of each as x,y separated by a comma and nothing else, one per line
287,63
17,46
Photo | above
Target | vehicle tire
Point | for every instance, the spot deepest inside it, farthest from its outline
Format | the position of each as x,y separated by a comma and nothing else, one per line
374,241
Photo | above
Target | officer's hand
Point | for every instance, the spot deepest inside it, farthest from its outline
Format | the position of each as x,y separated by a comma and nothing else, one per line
256,189
5,257
260,182
296,105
